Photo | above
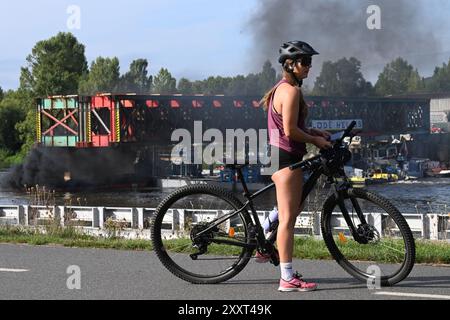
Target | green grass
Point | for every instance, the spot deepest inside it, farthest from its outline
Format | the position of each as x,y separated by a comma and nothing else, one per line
7,159
434,252
184,246
429,252
69,237
310,248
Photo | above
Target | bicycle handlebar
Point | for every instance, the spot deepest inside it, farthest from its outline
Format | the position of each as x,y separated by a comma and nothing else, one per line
344,134
338,138
349,128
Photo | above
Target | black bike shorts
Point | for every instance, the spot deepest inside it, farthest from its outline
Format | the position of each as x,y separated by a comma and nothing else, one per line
286,159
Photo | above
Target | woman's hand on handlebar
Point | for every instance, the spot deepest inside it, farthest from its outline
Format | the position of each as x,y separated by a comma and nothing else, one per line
321,143
320,133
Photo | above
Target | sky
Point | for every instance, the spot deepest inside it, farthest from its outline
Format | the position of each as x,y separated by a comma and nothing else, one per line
193,39
199,38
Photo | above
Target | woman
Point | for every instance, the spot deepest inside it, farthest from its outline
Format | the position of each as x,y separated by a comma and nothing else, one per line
288,136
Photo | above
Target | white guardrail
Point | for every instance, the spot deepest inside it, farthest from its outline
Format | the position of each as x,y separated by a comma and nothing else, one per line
136,221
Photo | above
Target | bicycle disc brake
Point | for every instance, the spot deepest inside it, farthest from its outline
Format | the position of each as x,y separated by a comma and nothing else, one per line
368,234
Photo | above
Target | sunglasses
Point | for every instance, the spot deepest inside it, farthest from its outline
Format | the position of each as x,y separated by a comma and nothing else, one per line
305,61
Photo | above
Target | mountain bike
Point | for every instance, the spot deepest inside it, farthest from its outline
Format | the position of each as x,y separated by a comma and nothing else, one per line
204,234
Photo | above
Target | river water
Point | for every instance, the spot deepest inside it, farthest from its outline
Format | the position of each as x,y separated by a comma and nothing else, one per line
408,196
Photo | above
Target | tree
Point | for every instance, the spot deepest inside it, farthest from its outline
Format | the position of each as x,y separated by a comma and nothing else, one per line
103,76
198,86
12,112
137,80
185,86
398,77
342,78
2,94
164,83
215,85
23,102
252,84
55,66
237,86
27,132
415,83
267,78
440,81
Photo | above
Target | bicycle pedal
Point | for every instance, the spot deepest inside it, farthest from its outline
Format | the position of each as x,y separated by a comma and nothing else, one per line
275,258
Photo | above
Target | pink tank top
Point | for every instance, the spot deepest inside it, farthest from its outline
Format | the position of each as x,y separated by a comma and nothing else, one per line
275,122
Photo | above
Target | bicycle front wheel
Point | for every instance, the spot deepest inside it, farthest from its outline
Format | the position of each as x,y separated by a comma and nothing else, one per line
186,249
386,250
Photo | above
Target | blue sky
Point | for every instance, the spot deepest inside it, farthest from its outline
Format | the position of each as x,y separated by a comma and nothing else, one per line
194,38
198,38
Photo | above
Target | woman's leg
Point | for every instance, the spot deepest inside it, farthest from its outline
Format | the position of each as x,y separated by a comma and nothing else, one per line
289,185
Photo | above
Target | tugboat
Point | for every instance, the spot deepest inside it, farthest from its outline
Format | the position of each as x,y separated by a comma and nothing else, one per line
379,176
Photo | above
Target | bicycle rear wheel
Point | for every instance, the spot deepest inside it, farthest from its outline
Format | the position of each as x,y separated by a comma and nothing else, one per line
387,254
187,212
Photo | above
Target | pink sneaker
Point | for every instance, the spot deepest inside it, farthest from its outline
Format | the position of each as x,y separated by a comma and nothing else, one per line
296,284
262,258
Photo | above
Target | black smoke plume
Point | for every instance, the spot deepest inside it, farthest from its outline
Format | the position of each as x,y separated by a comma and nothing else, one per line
73,168
336,28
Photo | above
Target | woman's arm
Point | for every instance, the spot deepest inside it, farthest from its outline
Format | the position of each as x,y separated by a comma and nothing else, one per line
290,101
320,133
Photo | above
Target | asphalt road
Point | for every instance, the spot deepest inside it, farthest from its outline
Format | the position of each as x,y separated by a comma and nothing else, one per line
44,272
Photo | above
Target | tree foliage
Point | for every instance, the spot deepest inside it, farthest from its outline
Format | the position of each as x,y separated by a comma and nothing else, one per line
266,78
103,76
342,78
440,81
164,83
54,66
13,110
252,84
398,77
137,79
185,86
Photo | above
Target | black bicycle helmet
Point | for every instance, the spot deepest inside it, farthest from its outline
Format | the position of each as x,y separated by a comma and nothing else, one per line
294,50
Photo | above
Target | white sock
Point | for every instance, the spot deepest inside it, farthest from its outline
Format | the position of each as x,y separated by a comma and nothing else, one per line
286,271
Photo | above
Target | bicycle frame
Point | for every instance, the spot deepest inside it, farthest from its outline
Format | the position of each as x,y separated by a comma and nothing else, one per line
307,188
317,166
247,234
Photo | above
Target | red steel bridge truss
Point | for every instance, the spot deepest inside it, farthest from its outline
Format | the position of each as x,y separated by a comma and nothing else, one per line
107,119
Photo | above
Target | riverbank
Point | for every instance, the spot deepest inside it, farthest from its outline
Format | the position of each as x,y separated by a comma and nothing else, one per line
427,252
